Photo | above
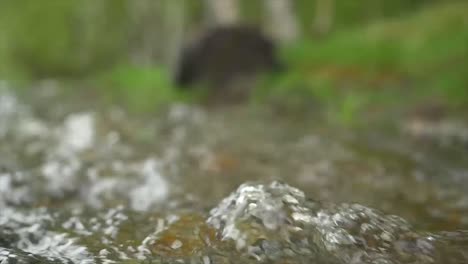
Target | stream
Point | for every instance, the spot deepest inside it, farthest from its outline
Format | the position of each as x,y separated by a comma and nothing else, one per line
86,182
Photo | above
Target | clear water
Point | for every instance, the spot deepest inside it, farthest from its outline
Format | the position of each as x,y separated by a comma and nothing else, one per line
81,182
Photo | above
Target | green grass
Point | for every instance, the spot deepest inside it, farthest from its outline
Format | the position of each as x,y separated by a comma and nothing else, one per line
140,89
410,44
389,64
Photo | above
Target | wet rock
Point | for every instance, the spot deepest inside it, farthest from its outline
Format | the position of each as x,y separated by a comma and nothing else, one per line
277,221
269,222
227,60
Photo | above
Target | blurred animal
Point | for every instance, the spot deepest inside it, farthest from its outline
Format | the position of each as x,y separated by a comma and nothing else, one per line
227,60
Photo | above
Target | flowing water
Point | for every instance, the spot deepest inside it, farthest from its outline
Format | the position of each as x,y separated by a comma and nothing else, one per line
81,182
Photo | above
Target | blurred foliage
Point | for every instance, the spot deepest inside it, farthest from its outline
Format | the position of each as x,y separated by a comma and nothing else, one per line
418,48
74,38
62,38
422,56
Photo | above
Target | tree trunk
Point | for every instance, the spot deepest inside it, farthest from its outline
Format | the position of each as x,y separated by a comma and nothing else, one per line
324,16
144,31
282,20
174,32
223,12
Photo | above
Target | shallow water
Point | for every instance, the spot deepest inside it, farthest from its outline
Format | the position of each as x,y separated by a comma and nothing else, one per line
82,182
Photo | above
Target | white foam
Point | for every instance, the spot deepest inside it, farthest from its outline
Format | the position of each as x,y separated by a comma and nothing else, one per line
152,190
78,132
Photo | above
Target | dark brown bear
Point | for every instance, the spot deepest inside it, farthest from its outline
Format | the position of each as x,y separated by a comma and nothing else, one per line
227,60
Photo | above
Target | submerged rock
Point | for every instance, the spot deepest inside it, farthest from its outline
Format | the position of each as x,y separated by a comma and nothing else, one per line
187,236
